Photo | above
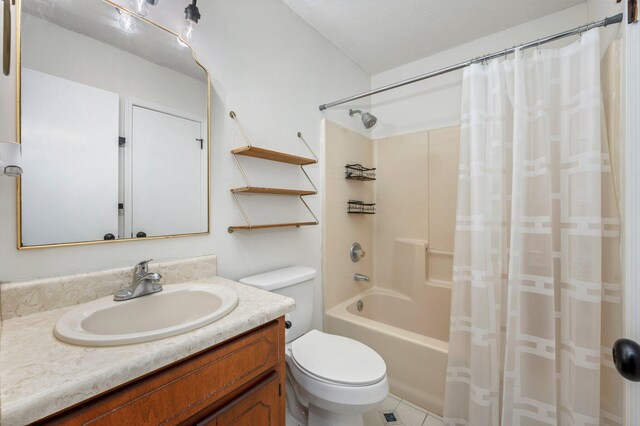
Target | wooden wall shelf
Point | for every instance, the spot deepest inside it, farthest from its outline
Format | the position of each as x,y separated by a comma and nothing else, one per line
266,154
272,191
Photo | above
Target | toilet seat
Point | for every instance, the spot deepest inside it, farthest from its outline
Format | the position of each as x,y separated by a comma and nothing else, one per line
337,360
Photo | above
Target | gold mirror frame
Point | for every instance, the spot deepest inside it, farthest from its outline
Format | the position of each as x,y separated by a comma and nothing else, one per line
20,246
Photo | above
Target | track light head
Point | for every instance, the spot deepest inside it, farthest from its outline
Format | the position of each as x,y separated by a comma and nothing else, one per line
191,12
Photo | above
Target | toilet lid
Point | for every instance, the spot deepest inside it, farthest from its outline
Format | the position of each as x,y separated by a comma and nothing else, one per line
338,359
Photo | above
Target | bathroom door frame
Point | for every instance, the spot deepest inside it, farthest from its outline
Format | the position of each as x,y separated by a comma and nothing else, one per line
631,209
131,102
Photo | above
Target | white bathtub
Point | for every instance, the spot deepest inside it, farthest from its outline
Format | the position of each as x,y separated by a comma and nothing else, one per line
411,334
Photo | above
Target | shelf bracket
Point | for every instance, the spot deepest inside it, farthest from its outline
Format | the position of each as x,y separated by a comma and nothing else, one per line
244,134
233,115
244,213
305,172
310,211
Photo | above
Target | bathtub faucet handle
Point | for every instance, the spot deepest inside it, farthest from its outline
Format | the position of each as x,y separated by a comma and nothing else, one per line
356,252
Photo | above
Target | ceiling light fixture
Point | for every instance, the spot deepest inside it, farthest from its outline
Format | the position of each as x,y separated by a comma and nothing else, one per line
126,21
141,7
191,16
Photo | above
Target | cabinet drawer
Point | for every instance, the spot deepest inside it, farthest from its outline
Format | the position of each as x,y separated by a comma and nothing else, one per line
263,405
179,391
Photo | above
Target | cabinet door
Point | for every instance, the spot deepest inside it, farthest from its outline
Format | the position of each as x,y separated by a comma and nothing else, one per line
263,405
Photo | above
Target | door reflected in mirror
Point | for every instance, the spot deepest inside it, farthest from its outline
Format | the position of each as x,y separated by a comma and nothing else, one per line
114,127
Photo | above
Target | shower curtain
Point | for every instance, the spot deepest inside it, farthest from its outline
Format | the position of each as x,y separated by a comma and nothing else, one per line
537,285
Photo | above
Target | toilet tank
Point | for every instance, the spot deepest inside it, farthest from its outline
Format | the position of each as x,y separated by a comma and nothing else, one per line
295,282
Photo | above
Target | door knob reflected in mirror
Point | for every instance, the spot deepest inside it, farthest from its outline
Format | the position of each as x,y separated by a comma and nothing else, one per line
626,357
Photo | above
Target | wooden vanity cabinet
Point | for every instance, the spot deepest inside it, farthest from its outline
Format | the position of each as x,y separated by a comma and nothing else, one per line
240,382
257,407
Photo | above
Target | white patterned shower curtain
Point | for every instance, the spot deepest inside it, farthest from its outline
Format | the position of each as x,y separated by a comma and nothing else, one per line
537,285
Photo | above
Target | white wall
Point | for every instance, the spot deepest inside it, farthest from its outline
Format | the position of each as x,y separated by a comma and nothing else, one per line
598,9
274,71
435,103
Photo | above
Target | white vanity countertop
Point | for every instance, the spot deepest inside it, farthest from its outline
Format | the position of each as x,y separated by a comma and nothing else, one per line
40,375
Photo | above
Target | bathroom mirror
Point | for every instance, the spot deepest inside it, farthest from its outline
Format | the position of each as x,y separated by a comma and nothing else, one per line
114,127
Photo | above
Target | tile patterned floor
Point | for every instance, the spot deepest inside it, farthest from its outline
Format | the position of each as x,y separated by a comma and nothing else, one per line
394,411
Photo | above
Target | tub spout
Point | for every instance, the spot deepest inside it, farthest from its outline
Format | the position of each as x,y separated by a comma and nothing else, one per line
361,277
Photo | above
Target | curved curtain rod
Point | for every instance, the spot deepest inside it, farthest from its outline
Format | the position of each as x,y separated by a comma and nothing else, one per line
616,19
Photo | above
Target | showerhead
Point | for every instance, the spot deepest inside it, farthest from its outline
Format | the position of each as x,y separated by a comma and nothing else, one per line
369,120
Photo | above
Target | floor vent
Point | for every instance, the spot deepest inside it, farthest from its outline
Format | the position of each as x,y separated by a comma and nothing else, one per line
390,417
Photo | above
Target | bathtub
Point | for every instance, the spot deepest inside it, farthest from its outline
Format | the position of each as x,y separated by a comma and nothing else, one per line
410,333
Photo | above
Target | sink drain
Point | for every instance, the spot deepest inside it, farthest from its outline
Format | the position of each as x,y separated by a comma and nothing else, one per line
360,305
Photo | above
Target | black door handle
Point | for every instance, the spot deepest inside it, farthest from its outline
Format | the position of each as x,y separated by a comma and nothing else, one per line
141,234
109,237
626,357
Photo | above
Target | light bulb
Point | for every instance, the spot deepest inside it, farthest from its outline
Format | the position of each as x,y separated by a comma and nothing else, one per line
140,7
187,30
126,21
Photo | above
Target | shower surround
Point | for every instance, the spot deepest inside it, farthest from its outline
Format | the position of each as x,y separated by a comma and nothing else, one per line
409,244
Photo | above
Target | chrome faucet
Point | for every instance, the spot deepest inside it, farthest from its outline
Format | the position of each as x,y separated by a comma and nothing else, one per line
361,277
143,283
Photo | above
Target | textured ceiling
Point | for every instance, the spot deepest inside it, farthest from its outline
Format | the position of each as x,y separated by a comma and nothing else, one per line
382,34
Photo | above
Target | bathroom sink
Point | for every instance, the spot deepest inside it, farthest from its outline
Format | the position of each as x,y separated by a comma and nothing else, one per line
177,309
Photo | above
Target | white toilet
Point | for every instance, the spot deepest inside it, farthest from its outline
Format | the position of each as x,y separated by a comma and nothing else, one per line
331,380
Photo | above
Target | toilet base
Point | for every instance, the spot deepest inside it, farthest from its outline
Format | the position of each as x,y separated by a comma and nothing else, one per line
321,417
312,415
292,421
